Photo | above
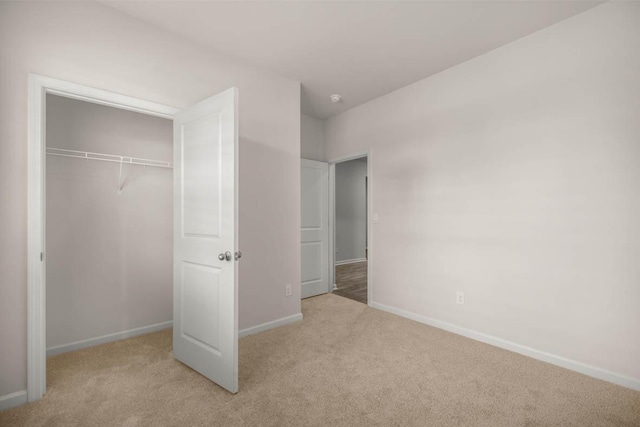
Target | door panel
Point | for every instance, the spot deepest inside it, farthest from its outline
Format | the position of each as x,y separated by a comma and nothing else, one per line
201,201
200,317
315,231
205,305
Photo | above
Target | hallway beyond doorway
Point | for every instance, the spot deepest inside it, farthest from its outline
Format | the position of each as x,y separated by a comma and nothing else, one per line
351,280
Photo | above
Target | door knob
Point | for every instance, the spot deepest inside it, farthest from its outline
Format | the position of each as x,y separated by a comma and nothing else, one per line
238,255
225,256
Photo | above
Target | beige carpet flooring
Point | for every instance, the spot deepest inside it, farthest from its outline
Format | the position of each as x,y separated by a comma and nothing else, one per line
344,365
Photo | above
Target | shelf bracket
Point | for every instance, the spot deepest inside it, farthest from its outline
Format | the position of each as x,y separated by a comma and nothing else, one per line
120,182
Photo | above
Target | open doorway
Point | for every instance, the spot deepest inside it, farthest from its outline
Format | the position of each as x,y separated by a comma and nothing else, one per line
350,213
335,231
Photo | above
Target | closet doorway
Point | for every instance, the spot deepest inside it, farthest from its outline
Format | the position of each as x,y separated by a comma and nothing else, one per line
118,242
109,224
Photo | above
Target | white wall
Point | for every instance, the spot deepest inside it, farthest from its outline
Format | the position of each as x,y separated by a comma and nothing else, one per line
94,45
351,210
109,255
311,138
515,178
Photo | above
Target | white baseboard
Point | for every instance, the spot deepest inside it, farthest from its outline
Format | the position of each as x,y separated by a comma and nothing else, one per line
77,345
350,261
13,399
572,365
269,325
52,351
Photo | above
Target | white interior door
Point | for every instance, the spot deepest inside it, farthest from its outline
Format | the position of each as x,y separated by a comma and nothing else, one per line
205,284
315,228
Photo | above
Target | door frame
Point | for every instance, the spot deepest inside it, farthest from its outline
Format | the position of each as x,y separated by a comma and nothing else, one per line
39,87
332,220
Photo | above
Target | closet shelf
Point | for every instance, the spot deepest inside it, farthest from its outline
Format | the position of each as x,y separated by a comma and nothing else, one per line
108,158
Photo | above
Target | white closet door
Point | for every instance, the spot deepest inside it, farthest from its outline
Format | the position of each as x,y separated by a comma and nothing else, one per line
205,284
315,227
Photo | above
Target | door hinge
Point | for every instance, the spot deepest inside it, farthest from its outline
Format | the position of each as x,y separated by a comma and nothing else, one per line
41,256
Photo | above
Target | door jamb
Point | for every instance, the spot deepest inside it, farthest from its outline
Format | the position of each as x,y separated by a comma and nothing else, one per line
39,87
332,214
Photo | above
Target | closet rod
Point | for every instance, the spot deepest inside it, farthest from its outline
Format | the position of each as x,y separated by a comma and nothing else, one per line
108,158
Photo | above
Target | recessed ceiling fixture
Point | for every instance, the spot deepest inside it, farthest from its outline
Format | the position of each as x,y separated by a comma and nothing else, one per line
335,98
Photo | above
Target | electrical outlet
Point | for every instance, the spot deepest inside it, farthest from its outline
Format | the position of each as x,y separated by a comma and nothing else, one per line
287,290
460,297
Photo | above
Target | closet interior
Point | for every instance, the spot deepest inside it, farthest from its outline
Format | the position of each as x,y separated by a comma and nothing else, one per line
109,223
